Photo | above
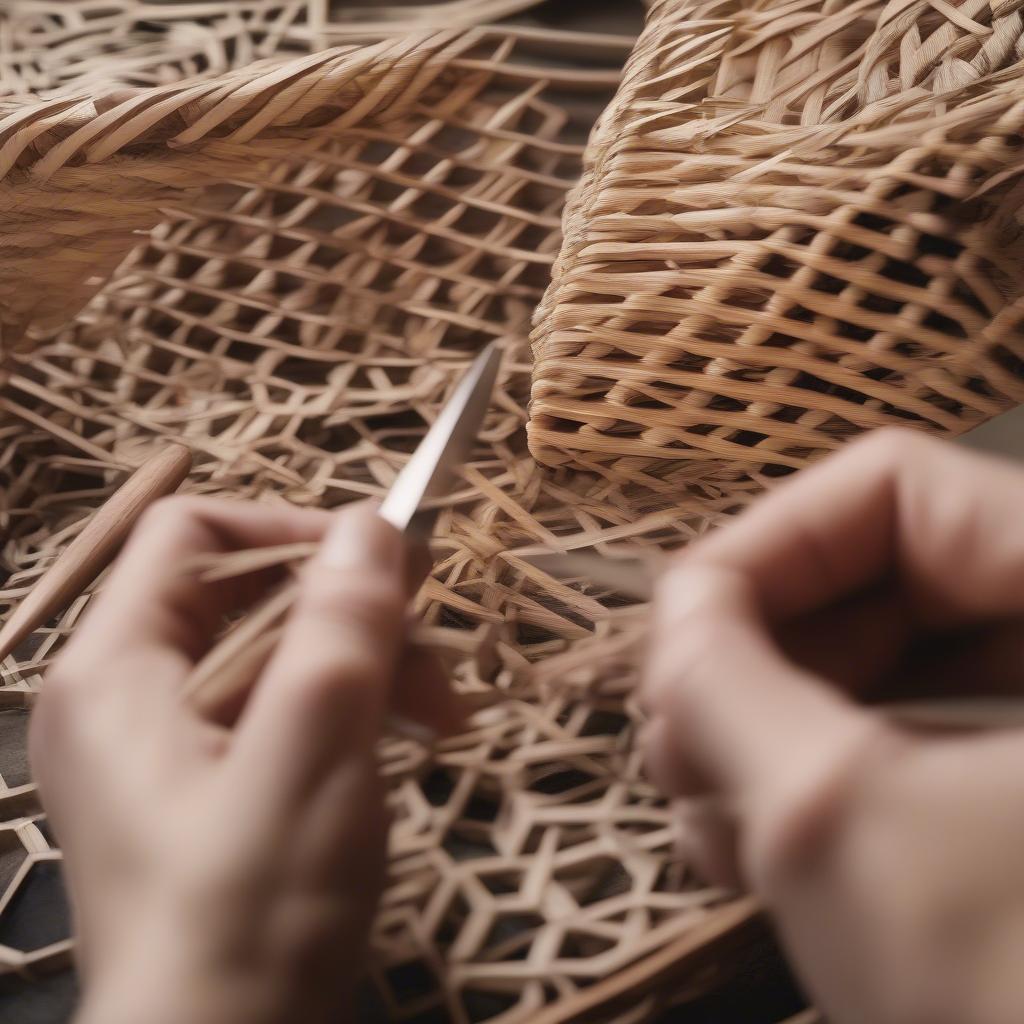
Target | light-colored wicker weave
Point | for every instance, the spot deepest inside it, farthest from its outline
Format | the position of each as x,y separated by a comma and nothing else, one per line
331,239
800,219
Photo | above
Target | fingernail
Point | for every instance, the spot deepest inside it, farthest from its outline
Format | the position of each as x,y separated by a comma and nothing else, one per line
360,539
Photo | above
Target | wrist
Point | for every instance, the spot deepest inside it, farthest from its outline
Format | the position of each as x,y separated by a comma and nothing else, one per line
165,978
173,974
165,998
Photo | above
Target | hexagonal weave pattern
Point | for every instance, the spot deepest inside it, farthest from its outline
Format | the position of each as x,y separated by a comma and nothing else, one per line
217,232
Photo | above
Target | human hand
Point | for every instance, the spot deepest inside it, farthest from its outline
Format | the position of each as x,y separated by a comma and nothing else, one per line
891,860
229,875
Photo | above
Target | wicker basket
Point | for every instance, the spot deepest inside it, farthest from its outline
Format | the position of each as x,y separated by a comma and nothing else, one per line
797,222
214,230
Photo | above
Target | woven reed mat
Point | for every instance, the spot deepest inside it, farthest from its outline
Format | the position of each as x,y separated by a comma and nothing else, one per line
286,260
798,221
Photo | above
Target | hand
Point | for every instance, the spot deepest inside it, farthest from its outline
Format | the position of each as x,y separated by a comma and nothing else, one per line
217,875
892,861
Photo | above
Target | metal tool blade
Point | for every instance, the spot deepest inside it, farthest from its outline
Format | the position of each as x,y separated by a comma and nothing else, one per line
446,447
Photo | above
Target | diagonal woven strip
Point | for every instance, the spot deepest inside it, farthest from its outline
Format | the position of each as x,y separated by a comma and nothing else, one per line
798,221
315,276
83,175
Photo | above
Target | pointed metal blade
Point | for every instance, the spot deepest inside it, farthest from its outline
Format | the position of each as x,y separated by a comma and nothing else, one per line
447,447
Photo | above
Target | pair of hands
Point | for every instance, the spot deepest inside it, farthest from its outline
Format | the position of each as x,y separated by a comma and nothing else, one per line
221,875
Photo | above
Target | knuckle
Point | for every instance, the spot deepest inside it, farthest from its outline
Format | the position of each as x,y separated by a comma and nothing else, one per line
371,602
356,667
685,660
700,643
893,445
174,515
351,682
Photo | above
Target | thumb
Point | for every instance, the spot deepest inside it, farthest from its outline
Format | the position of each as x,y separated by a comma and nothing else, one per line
773,740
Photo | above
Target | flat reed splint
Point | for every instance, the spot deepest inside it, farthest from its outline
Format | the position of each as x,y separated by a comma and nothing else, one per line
798,221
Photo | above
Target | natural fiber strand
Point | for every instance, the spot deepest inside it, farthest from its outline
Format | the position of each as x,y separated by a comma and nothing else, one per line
798,221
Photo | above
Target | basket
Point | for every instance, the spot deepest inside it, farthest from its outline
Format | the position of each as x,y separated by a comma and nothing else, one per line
278,234
797,222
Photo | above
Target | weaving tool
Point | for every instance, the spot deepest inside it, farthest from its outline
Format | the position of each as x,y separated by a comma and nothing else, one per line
94,548
227,671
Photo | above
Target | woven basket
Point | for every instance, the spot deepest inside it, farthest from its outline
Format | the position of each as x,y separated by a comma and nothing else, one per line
214,230
797,222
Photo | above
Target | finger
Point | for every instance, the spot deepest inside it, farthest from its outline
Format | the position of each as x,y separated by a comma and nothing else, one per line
323,696
707,840
423,693
666,766
943,521
155,608
768,736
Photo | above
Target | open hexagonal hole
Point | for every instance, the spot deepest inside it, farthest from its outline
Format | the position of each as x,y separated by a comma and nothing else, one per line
467,841
12,855
604,723
14,743
558,778
437,787
592,881
502,882
482,807
470,837
37,914
582,946
511,936
672,876
411,980
453,919
481,1005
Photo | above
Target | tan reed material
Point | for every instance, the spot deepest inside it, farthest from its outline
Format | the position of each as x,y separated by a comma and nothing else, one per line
386,210
798,221
97,544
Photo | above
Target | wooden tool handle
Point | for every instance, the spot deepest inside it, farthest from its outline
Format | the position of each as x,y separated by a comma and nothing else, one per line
94,548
